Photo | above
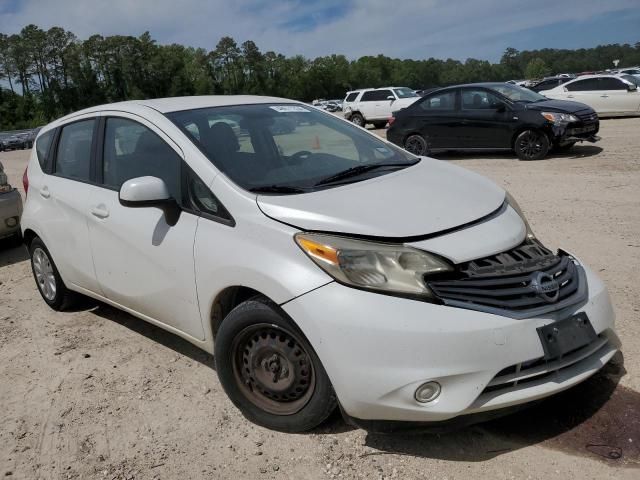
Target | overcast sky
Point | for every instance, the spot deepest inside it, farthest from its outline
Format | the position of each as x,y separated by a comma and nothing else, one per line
401,28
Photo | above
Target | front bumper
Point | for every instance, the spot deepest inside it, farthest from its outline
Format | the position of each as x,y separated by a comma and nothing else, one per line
378,349
10,212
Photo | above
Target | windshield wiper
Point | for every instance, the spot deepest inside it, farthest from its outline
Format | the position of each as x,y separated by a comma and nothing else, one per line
359,170
277,189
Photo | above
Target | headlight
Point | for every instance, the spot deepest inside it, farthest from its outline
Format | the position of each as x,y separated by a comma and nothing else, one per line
512,202
371,265
559,118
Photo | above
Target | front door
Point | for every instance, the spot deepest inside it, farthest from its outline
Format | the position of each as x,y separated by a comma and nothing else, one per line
142,262
486,120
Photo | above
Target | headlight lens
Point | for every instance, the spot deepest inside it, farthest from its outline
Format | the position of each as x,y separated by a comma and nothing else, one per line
371,265
512,202
559,118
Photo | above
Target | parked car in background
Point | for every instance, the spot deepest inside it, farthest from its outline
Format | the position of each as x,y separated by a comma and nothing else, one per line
635,71
351,97
609,95
13,142
376,105
10,208
548,83
492,116
334,270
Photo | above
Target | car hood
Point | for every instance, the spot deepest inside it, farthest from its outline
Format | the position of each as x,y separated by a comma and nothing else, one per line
429,197
560,106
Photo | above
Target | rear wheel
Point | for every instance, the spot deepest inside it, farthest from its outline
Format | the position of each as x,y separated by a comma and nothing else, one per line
270,371
48,280
357,119
416,144
531,145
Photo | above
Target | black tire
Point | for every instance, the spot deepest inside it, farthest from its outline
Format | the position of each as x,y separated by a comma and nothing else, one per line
256,341
416,144
358,119
61,298
531,145
380,124
565,148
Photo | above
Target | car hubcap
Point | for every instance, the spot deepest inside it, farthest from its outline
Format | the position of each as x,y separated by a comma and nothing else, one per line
357,120
530,145
44,274
415,145
273,369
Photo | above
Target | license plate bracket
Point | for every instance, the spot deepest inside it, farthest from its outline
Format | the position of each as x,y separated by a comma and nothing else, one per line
562,337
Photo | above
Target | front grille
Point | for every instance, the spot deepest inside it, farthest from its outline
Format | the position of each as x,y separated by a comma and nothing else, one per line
587,116
539,369
526,281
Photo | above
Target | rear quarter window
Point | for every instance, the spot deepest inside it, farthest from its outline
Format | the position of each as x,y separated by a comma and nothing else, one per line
42,147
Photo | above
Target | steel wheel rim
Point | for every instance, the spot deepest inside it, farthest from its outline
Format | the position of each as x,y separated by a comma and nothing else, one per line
357,120
415,145
43,271
530,145
273,369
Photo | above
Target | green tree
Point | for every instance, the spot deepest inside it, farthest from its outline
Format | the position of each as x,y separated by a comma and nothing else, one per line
536,68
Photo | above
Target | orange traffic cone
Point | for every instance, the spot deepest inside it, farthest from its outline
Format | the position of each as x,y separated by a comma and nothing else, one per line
316,144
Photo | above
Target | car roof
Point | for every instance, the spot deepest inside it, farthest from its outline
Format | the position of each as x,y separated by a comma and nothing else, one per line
176,104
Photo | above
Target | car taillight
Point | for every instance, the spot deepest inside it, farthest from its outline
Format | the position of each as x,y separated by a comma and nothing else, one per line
25,181
391,120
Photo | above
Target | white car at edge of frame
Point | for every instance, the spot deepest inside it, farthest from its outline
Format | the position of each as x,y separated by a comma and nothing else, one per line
319,264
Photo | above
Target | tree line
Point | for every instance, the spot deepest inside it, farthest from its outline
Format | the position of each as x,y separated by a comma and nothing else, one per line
47,73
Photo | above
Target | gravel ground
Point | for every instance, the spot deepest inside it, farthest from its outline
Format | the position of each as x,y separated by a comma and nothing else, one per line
96,393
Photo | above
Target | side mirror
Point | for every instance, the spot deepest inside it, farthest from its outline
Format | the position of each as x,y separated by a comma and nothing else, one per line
144,192
391,97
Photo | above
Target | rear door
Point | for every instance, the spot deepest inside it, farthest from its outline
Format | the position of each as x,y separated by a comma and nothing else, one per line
367,104
484,124
436,117
587,91
142,262
63,199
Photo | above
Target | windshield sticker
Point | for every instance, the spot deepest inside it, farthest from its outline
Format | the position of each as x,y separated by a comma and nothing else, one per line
288,108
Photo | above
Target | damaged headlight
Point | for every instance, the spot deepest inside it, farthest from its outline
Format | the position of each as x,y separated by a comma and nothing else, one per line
559,118
374,266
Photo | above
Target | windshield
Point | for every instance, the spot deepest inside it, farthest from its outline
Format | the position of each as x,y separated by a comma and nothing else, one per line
632,79
405,92
517,94
287,148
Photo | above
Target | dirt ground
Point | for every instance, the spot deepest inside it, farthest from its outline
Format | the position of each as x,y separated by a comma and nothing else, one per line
96,393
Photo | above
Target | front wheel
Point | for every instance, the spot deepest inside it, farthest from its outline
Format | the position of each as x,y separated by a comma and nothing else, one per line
531,145
416,144
270,371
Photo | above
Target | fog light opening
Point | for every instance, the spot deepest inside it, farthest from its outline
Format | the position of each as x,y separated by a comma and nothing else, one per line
11,222
427,392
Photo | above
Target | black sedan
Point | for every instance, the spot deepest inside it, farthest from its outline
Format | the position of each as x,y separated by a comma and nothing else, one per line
492,116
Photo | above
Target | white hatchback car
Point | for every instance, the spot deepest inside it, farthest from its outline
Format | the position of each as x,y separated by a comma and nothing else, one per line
320,264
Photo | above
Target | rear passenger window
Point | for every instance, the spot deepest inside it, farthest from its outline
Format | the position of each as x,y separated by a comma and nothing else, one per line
132,150
439,102
73,158
42,147
351,97
586,85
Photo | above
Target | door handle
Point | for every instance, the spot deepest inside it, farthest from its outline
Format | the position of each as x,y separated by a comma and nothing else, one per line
44,191
604,96
100,211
